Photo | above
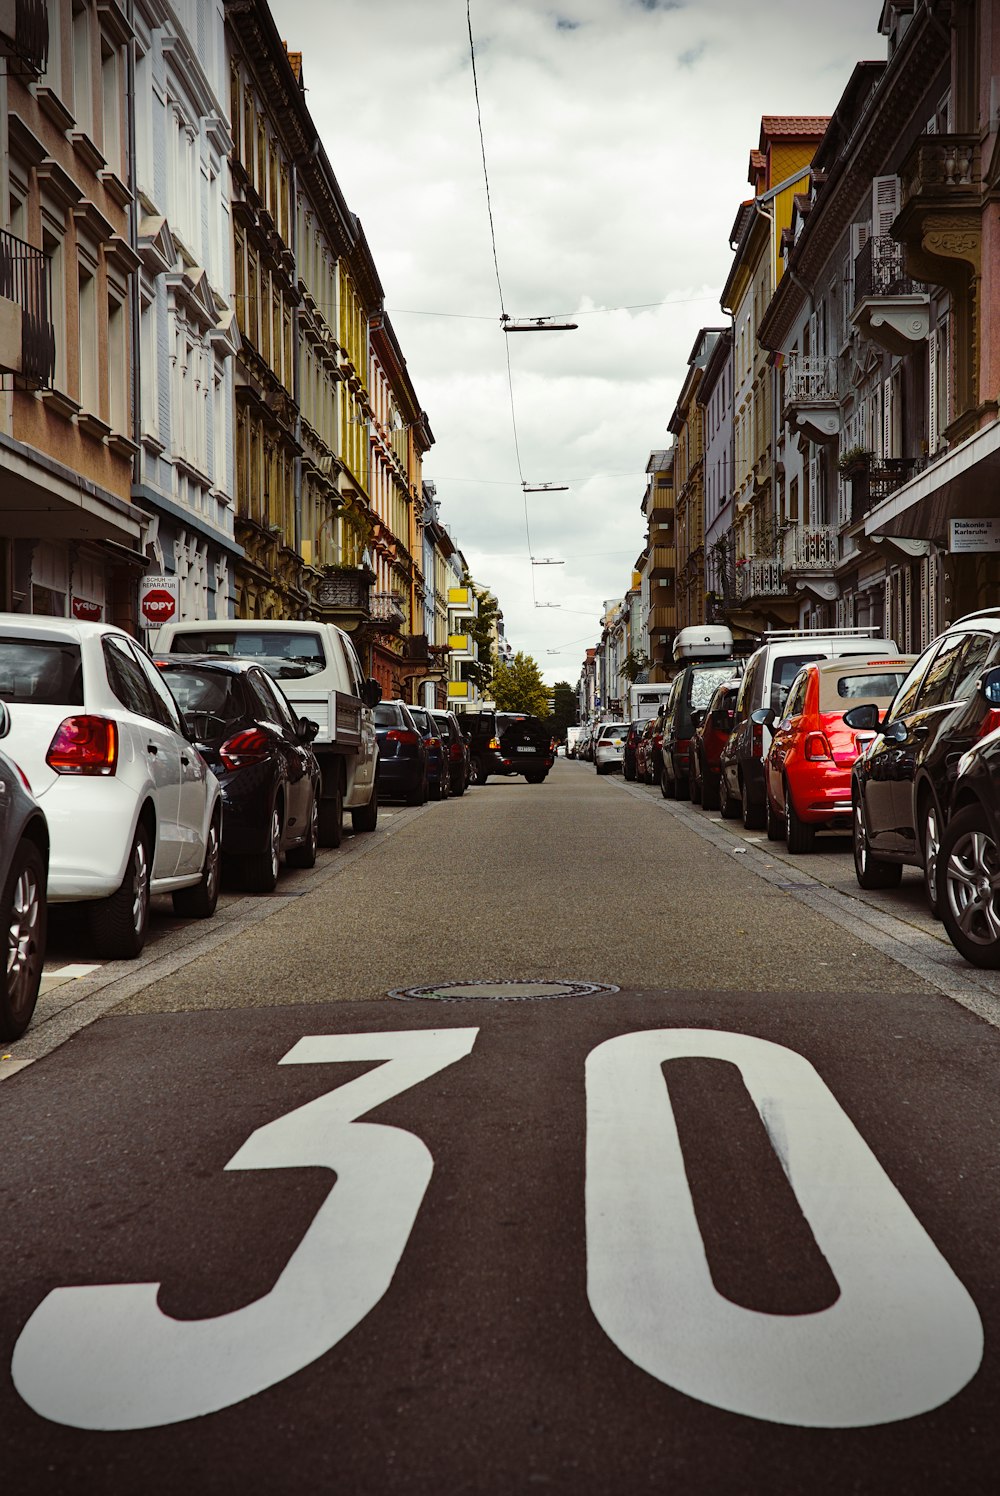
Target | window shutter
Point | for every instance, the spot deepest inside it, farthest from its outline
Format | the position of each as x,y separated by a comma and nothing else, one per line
932,391
887,418
885,204
907,607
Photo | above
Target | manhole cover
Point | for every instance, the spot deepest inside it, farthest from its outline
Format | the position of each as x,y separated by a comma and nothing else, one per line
500,992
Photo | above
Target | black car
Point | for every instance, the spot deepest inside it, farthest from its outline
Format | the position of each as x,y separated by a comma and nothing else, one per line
438,764
459,755
694,686
402,754
903,783
507,743
24,861
259,751
631,746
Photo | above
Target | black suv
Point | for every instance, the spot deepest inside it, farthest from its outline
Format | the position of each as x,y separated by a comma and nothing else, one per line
507,743
694,686
903,784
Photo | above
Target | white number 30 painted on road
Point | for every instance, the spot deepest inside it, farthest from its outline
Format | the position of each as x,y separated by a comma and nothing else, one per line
903,1336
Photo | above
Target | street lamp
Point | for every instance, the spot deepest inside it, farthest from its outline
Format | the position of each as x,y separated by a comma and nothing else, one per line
535,324
545,487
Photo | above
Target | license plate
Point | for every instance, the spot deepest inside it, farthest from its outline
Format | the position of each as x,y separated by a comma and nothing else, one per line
526,750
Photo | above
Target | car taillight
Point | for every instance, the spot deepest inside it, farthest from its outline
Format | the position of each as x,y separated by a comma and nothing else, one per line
990,723
495,744
401,735
251,746
455,750
816,747
84,745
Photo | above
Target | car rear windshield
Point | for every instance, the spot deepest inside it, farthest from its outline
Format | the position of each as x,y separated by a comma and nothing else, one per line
44,672
786,668
208,693
387,715
704,683
283,656
423,721
838,692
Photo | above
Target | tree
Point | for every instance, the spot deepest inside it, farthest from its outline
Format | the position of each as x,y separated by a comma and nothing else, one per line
517,686
481,629
564,708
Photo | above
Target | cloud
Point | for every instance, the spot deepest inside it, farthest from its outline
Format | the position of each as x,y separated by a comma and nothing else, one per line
691,55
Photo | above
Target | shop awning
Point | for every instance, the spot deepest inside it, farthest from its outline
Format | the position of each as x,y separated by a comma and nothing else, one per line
963,485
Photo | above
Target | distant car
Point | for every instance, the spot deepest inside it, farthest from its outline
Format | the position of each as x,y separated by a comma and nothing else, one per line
807,773
631,747
647,753
609,746
459,753
693,688
402,754
901,786
438,761
131,806
507,743
711,727
259,751
24,860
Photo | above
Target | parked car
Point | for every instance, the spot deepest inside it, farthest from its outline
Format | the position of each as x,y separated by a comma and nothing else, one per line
609,746
459,755
507,743
632,736
319,671
259,751
769,672
693,688
807,772
647,755
438,764
402,754
24,860
902,785
131,806
711,727
969,857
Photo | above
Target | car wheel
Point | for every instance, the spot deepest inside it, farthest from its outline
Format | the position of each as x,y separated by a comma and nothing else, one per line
753,815
931,849
694,783
458,790
667,787
365,818
199,902
534,778
871,872
24,912
729,808
799,835
969,884
331,814
775,823
260,871
304,855
118,924
681,788
709,788
479,775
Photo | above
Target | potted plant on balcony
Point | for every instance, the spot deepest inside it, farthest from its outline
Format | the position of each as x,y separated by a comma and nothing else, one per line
853,462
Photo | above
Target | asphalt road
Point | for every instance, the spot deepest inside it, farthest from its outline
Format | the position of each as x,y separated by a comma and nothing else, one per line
727,1225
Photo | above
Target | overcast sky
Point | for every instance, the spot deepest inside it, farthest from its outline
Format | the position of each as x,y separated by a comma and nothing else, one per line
617,136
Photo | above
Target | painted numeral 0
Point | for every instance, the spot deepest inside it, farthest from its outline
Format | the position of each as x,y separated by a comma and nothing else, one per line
902,1338
108,1357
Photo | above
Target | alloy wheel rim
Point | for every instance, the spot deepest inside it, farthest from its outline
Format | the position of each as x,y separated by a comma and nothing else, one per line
140,885
22,939
212,860
860,845
932,848
275,841
972,886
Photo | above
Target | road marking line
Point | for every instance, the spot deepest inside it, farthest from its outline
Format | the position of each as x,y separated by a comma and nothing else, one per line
52,979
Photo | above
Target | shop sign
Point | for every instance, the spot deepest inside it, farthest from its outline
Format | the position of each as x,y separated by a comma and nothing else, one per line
965,535
84,609
159,600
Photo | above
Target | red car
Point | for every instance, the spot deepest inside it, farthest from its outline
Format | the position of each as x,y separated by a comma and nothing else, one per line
807,774
647,753
712,727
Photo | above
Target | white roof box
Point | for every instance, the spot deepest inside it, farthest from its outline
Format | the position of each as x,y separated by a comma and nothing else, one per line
704,641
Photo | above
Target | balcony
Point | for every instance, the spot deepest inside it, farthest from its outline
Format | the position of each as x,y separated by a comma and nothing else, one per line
659,504
27,337
889,308
416,650
943,172
387,610
662,560
811,405
872,481
24,36
661,619
345,590
759,579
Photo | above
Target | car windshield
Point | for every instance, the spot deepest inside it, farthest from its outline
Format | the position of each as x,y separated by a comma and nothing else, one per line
44,672
284,656
205,693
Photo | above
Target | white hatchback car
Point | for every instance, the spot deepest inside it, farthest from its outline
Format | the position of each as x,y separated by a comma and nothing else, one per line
131,806
609,746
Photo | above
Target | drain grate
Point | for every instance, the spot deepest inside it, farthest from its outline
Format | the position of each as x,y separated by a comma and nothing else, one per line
500,992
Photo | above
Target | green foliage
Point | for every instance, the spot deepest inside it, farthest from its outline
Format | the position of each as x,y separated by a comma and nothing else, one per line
481,629
564,708
517,686
633,663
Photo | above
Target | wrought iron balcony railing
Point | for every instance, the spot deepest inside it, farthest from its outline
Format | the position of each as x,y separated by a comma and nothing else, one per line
810,548
879,271
387,608
26,45
26,280
758,579
810,379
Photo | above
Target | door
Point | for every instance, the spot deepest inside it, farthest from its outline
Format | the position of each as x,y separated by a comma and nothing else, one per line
155,751
193,792
930,713
275,713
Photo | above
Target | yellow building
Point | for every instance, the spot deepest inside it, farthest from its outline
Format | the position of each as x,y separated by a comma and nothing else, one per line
687,425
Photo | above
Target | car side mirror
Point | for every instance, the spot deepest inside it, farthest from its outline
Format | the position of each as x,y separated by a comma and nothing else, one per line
4,719
697,717
192,722
371,693
989,687
863,718
764,716
307,729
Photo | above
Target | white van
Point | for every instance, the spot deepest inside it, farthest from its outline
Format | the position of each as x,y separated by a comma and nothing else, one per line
645,701
318,669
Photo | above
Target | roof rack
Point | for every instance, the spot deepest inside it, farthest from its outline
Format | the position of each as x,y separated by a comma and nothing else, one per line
843,633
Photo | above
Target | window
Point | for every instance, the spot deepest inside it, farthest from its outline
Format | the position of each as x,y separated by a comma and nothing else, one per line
937,684
165,709
278,710
796,703
126,678
83,106
111,92
971,665
44,673
118,403
87,340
